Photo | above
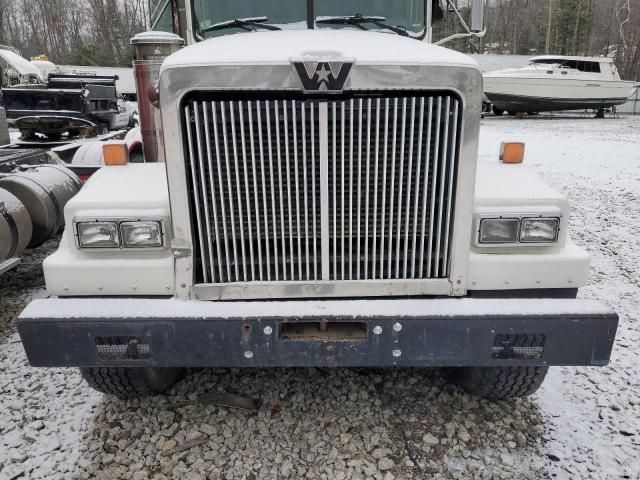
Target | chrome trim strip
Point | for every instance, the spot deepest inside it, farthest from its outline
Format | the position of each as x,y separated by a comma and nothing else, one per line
321,289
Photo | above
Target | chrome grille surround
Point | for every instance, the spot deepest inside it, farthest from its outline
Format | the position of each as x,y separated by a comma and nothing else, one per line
463,84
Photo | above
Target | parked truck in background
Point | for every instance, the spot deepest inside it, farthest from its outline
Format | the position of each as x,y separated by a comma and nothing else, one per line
317,201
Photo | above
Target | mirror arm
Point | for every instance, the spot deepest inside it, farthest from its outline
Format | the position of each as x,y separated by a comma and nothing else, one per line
461,35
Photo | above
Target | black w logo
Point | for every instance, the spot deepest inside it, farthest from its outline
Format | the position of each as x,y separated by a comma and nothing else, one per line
323,77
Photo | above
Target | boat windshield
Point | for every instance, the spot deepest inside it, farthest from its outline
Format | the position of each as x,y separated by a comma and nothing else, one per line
408,15
580,65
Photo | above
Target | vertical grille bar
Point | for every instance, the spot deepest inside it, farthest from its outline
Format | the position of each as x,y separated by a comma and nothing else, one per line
196,194
207,247
417,189
403,134
366,195
245,169
349,189
297,184
291,254
210,187
263,184
435,161
238,186
342,212
313,192
393,185
256,194
221,189
407,207
324,189
383,211
351,135
282,215
425,190
375,191
306,196
443,167
273,190
334,141
359,193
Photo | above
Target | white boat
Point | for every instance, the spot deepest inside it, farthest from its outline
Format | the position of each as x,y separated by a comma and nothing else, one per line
552,83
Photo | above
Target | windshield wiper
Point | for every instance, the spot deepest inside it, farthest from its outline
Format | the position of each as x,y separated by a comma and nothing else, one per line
248,24
357,20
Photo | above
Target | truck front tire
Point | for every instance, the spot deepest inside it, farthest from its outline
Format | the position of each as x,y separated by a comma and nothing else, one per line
500,383
131,382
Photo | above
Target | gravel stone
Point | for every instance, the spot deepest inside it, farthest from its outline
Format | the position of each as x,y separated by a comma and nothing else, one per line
385,464
430,439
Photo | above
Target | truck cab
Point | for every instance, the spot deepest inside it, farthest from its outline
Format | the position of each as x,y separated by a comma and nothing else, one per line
316,200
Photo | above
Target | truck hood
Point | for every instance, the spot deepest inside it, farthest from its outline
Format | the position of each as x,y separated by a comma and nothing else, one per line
279,47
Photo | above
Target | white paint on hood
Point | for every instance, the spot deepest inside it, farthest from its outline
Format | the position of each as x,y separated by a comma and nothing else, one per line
277,48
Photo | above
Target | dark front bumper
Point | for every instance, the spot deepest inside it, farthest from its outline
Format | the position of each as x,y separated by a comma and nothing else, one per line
422,332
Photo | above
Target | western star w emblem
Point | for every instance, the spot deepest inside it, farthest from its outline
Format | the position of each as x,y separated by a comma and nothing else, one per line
322,75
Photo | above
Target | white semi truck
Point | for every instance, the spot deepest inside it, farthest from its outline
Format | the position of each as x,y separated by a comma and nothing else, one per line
316,201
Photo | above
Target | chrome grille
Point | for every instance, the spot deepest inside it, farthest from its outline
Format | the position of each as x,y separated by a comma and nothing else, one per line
301,190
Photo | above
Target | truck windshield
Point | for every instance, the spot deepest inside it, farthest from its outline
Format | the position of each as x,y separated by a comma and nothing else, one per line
409,15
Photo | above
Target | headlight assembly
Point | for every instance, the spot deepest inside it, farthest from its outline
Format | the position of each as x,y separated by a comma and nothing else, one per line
141,234
119,233
98,235
499,230
539,230
513,228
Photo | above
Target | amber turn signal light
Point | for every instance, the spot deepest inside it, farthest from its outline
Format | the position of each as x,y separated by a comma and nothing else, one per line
512,152
115,153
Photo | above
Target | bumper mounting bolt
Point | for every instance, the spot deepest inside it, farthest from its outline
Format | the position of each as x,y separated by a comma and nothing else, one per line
397,353
377,330
268,330
248,354
397,327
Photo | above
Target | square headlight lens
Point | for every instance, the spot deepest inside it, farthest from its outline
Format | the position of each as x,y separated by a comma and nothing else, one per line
98,235
539,230
499,230
141,234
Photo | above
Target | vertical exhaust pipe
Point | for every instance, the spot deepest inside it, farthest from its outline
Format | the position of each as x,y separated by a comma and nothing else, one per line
152,48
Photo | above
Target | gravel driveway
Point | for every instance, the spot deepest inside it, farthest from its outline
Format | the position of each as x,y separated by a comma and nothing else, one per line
337,423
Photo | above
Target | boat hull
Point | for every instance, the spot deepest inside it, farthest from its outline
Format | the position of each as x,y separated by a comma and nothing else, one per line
526,104
515,94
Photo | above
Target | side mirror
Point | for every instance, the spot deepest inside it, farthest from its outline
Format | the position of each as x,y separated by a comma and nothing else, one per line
477,15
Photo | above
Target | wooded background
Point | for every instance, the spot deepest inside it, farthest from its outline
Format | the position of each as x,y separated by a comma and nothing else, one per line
97,32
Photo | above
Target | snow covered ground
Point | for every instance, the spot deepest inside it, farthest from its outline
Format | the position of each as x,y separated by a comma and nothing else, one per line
335,424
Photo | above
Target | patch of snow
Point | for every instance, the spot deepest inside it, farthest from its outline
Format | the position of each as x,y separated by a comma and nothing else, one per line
172,308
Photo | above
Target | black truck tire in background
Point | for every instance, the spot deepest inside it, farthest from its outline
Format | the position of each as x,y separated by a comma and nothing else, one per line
131,382
499,383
